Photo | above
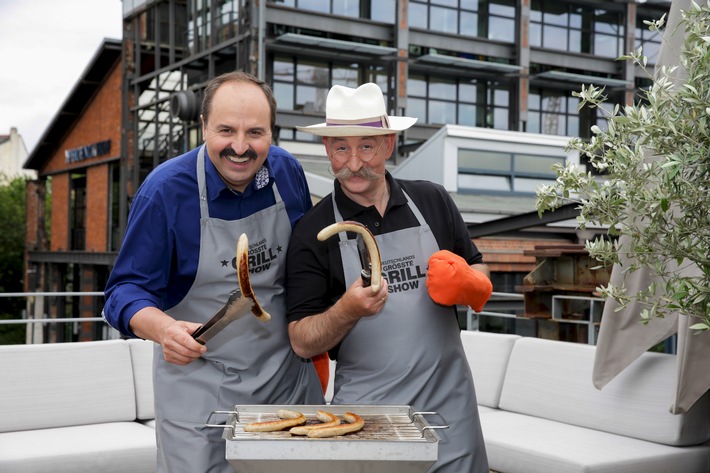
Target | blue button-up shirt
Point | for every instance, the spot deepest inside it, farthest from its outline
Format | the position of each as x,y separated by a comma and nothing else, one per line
157,263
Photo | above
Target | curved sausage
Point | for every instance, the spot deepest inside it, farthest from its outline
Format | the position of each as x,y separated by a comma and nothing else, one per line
370,244
288,419
244,282
327,419
355,424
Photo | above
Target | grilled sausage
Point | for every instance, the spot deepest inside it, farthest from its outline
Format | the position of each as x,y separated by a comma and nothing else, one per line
372,250
244,282
327,420
288,419
355,424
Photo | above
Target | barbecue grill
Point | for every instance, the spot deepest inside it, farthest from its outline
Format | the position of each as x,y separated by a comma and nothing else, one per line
395,439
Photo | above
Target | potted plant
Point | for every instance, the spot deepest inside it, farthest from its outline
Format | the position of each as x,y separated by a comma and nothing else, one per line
653,181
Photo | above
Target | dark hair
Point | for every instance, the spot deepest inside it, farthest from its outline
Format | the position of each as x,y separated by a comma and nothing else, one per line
238,76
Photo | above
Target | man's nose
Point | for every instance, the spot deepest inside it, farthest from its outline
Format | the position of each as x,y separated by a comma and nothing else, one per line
354,162
239,144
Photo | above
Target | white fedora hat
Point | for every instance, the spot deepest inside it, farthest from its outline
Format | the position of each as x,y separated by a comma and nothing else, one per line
357,112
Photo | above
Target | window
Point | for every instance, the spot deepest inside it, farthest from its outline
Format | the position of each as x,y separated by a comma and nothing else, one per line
378,10
303,84
77,211
552,112
114,205
492,19
442,101
575,28
495,171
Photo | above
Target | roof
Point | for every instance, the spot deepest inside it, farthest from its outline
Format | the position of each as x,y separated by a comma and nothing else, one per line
86,87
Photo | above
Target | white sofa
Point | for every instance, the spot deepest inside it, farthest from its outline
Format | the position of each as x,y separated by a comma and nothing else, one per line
77,407
88,407
541,413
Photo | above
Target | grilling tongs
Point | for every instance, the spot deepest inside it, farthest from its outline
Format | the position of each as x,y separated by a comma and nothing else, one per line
240,301
366,247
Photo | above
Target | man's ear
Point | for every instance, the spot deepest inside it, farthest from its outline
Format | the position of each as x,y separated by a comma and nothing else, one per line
389,145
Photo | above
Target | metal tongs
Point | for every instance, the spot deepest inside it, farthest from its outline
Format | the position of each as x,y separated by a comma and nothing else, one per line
366,272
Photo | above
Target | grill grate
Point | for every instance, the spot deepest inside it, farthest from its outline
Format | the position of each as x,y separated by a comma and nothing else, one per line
377,427
395,439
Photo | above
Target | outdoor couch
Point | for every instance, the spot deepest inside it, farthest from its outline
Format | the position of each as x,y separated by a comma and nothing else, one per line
540,412
77,407
88,407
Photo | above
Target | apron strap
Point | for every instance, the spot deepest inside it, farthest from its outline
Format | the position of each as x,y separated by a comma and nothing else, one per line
201,183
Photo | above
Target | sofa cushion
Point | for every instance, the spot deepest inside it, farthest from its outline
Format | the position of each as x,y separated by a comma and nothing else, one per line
487,355
63,384
517,443
553,380
120,447
142,359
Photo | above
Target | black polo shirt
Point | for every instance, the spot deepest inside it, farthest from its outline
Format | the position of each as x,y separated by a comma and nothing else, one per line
315,279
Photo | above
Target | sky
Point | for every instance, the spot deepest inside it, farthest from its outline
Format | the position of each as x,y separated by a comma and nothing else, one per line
45,45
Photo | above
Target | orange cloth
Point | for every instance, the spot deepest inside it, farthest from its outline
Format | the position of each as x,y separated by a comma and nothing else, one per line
450,280
322,364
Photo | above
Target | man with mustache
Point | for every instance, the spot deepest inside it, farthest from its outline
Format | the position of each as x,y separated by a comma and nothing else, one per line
401,344
176,268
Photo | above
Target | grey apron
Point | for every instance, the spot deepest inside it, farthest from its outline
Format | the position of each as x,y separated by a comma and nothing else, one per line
411,352
249,362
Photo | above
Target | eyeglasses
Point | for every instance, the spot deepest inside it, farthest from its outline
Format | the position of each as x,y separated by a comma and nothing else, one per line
366,152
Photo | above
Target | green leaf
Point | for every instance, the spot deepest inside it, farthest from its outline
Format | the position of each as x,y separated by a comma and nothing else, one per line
665,205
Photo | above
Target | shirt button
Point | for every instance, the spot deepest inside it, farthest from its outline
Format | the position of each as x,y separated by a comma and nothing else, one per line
377,224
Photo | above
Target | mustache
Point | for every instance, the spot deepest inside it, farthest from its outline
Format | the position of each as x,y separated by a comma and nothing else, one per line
364,172
230,153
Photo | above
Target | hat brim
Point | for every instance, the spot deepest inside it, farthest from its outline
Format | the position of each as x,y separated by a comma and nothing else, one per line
397,124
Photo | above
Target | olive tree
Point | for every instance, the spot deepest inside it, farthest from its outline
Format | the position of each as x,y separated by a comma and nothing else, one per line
652,183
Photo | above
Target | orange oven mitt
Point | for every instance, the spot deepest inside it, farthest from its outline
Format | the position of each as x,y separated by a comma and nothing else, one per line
450,280
322,365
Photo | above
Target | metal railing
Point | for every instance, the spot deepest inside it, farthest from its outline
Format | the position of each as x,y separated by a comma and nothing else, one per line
36,319
472,317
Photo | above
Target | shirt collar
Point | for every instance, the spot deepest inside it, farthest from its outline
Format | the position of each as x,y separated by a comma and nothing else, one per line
216,186
349,209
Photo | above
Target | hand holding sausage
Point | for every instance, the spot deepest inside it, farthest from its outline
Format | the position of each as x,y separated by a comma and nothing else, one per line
359,301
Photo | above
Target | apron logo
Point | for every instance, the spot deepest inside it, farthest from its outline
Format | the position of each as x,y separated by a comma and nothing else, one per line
402,274
260,257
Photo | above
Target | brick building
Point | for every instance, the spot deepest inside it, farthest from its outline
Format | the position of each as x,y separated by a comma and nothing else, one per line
69,244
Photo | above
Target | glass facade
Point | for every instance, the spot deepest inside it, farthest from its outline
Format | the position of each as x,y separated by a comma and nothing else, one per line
491,19
575,28
176,46
499,172
439,101
377,10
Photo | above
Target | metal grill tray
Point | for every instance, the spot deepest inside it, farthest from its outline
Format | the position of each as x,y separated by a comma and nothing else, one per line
394,439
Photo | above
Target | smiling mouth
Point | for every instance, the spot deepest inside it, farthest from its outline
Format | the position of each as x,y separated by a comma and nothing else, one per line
238,159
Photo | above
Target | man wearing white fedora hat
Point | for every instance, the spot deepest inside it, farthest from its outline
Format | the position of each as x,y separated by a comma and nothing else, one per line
400,344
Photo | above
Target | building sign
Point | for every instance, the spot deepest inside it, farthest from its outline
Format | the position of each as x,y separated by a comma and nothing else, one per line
88,151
